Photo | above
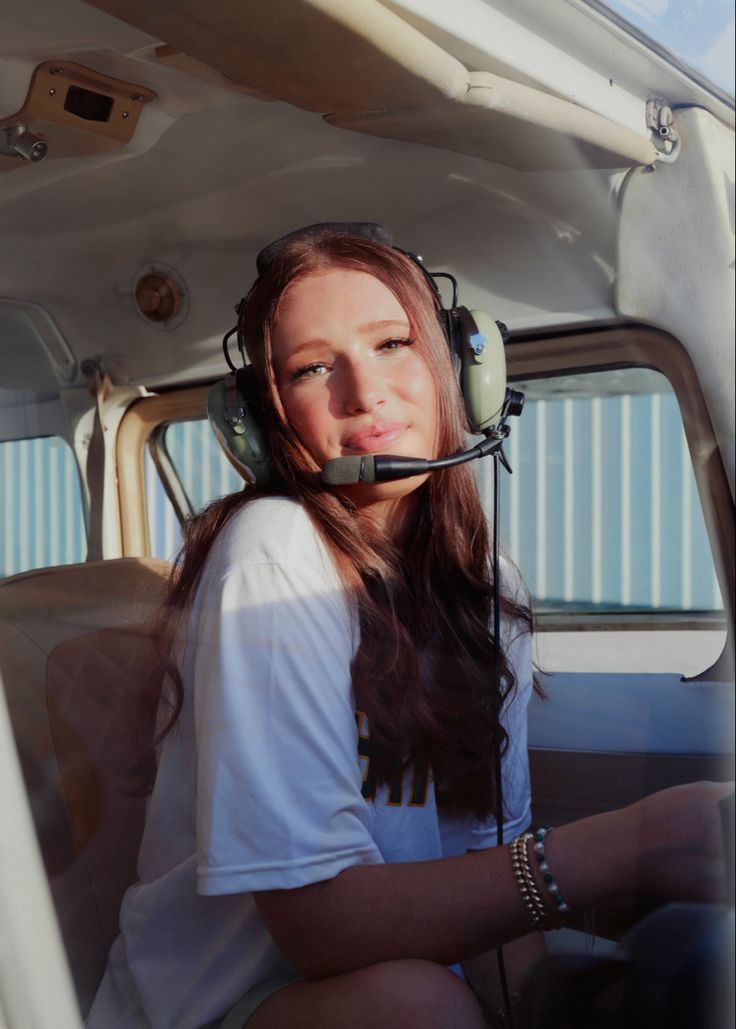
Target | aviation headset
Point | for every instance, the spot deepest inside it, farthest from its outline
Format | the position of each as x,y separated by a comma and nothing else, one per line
476,343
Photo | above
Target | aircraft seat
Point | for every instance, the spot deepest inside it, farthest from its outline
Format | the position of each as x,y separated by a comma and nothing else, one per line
81,680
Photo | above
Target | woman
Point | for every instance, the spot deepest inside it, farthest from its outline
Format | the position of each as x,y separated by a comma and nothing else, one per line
319,842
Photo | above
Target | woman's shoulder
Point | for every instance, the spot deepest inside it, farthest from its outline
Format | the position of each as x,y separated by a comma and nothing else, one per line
270,530
267,516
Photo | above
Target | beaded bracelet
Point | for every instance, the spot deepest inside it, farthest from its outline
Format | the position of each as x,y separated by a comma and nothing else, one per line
525,880
550,881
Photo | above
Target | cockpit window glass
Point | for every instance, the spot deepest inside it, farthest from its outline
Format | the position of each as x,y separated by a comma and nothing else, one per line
602,511
203,474
700,33
41,515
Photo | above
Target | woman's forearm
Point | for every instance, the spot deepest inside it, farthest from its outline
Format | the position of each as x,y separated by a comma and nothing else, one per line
453,909
445,911
435,910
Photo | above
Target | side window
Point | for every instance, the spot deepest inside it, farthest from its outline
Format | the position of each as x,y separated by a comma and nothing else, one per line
187,456
602,512
41,515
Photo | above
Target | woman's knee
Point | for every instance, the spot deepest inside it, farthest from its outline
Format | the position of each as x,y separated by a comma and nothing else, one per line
402,994
429,995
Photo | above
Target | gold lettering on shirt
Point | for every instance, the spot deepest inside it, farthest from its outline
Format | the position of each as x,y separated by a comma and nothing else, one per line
395,796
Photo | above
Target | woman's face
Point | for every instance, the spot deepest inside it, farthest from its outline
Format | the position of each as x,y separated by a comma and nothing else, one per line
351,378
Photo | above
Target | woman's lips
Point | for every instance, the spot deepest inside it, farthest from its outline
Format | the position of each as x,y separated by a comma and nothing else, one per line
374,438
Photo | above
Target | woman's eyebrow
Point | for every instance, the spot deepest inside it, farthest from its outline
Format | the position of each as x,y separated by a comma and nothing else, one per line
384,324
319,341
308,344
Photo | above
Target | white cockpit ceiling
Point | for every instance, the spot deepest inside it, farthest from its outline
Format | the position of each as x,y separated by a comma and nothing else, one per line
212,175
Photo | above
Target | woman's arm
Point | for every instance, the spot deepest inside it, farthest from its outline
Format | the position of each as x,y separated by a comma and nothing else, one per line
450,910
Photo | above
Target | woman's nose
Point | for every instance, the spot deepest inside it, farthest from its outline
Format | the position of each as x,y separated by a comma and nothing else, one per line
361,388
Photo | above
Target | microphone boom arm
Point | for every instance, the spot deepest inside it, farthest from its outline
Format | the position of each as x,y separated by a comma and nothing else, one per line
388,467
346,471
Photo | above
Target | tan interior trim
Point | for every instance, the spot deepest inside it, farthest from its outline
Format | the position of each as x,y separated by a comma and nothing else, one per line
632,345
139,422
173,58
390,81
510,124
286,49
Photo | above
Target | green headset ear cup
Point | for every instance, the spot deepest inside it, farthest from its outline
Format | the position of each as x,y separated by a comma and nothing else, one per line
232,410
483,373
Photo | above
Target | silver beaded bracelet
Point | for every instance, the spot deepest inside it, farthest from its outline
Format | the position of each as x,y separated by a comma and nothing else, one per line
551,883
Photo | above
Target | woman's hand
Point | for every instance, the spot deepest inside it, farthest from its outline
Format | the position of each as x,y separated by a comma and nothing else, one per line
668,845
679,836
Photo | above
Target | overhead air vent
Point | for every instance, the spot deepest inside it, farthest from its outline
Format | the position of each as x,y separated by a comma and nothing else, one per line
70,111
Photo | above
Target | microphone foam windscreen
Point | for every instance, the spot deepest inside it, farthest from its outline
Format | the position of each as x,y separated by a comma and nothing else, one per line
346,471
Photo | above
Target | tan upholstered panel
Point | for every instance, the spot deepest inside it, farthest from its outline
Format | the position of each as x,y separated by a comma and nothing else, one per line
51,605
321,55
367,70
80,677
510,124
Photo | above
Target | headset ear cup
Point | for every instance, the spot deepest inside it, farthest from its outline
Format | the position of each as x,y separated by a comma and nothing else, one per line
246,384
483,375
234,412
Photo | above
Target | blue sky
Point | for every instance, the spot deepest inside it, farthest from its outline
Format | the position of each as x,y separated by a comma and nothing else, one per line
700,31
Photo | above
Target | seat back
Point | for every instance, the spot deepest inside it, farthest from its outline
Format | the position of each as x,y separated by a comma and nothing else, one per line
81,679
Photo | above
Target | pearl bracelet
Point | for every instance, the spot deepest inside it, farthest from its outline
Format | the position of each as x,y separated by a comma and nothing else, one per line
550,881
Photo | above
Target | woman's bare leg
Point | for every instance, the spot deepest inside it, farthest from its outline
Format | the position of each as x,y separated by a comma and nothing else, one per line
407,994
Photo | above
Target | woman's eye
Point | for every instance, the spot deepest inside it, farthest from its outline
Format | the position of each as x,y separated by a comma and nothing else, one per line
397,343
309,371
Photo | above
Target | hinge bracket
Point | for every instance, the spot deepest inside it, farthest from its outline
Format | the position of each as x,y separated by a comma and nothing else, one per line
661,123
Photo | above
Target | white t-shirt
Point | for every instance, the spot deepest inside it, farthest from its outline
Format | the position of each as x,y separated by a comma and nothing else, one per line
259,786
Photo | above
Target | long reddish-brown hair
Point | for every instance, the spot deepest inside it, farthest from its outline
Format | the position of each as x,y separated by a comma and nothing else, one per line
423,671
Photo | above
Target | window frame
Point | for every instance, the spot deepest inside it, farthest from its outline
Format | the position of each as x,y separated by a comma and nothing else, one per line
141,420
546,355
529,356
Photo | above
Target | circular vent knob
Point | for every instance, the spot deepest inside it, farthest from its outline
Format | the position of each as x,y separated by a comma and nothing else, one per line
158,297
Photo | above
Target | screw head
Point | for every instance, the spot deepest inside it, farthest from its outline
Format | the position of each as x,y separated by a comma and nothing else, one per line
126,114
136,96
477,343
52,92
